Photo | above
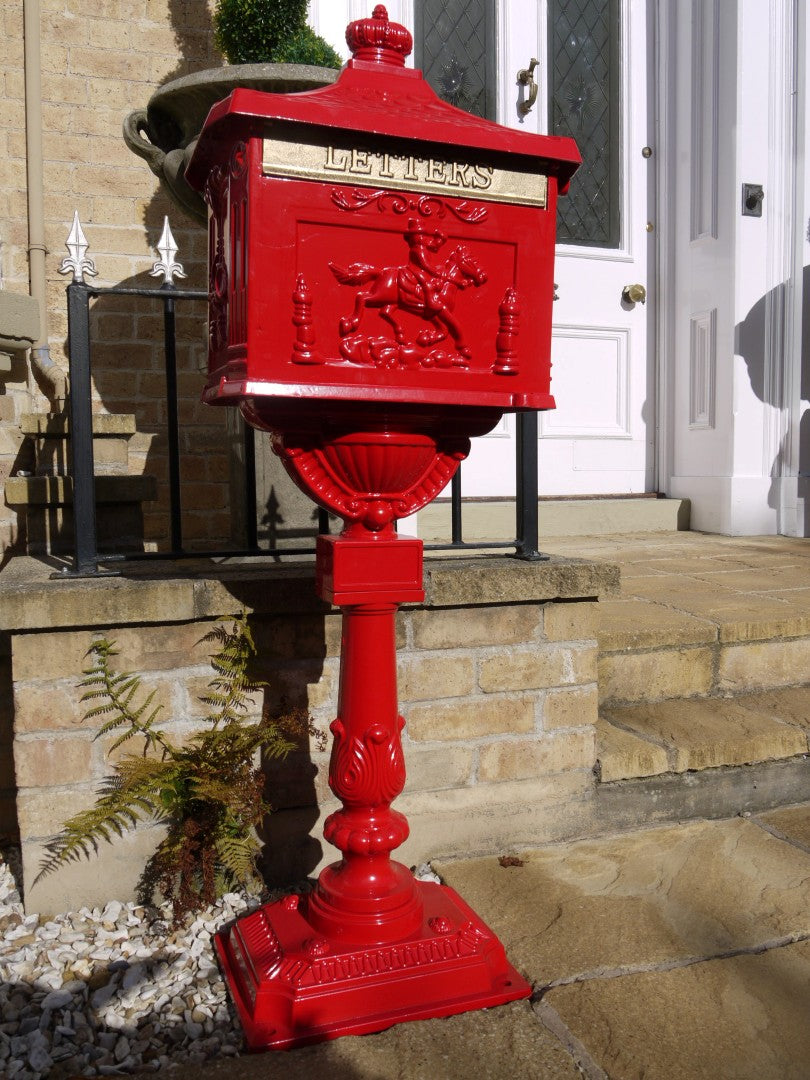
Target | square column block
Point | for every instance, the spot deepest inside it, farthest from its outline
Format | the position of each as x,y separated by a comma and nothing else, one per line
361,570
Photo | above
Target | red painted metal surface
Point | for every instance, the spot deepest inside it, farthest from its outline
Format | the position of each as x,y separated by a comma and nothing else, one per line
380,270
371,946
362,248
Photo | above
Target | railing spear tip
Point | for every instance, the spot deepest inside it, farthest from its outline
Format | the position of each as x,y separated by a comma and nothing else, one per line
76,262
167,249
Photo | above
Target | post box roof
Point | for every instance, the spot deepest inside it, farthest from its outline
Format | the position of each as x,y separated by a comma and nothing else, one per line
375,98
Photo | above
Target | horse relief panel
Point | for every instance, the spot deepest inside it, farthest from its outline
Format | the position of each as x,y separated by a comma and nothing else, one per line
411,283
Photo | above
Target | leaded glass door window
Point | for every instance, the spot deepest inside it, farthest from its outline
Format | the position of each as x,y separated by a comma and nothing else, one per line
456,48
583,102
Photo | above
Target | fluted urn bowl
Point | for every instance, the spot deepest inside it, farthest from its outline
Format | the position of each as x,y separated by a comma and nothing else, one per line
369,465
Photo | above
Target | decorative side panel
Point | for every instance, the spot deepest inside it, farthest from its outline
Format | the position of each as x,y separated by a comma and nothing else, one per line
591,384
702,368
237,260
705,105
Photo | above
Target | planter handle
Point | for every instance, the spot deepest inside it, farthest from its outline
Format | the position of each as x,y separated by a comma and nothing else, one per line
135,125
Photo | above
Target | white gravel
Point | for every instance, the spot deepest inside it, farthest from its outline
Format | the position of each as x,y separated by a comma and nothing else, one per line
105,992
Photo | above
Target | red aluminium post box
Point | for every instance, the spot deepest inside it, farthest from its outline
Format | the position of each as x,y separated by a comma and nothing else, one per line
380,290
370,242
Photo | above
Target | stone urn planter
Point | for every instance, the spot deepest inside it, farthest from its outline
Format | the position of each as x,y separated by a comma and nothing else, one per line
165,132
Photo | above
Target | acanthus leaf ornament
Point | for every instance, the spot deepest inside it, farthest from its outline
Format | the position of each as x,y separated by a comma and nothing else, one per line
367,771
76,262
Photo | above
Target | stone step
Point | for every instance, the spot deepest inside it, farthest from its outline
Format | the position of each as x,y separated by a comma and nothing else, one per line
701,616
700,642
494,519
704,665
688,735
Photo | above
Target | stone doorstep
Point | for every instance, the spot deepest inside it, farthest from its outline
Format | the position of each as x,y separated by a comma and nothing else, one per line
686,735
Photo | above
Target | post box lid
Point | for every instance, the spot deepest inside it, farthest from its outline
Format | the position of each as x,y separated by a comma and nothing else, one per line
375,95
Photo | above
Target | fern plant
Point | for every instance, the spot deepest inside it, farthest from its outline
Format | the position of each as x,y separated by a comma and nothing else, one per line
270,31
208,792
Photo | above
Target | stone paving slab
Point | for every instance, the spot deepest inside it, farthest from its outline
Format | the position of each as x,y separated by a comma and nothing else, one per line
710,732
760,618
679,953
792,822
791,705
639,624
491,1044
742,1018
751,588
756,579
639,899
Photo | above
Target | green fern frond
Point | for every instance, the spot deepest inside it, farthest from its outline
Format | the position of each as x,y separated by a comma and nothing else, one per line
238,855
104,710
208,792
114,814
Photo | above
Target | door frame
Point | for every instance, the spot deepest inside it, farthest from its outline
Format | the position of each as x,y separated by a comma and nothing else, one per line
784,250
661,14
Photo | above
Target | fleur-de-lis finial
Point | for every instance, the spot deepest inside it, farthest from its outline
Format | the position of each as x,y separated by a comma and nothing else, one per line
167,249
77,262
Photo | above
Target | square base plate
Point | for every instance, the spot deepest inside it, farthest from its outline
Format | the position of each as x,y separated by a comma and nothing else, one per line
292,986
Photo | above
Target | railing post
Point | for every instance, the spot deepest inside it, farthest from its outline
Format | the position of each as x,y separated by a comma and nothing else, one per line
251,511
172,425
455,509
526,488
85,559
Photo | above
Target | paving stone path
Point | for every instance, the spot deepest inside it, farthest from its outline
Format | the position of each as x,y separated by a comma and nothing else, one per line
678,953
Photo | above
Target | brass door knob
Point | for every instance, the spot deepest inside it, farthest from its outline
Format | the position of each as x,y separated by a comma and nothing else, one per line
634,294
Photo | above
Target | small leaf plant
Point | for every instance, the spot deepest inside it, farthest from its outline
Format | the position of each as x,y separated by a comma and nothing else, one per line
271,32
208,791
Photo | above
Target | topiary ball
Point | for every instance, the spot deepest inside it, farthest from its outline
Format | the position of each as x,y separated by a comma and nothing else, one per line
306,47
269,31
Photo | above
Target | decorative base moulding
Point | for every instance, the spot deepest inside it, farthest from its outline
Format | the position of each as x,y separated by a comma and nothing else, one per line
292,986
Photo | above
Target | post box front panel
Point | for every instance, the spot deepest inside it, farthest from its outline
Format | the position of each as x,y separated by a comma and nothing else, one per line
369,275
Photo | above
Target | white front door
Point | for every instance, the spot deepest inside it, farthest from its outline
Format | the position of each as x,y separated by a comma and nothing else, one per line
600,438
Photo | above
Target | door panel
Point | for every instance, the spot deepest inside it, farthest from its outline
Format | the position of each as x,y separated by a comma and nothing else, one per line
601,379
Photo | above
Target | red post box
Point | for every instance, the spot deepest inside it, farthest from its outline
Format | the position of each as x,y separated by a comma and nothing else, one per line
381,282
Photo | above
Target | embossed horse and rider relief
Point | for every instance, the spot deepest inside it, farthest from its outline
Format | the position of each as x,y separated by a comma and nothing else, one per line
425,287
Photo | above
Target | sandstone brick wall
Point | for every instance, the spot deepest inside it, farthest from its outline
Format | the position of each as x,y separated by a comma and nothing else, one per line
499,699
99,62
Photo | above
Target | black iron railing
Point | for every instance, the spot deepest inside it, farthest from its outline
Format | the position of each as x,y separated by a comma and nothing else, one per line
86,552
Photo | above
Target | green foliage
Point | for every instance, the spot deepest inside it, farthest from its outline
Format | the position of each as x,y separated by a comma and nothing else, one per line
208,791
269,31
